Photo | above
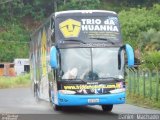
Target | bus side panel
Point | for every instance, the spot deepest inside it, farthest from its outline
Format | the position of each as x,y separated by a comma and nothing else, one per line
31,61
40,60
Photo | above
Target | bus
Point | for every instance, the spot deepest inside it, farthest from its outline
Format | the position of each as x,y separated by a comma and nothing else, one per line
78,58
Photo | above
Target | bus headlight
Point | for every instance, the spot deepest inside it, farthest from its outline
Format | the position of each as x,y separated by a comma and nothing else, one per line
69,92
117,90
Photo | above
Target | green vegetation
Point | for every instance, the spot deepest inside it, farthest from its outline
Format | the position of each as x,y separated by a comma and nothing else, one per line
144,86
79,5
19,81
144,83
141,101
141,29
136,21
14,42
149,40
151,60
139,21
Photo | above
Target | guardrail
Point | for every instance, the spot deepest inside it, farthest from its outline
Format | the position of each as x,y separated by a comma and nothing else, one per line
144,82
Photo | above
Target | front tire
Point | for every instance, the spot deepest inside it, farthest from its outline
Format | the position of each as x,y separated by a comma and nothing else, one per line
50,96
107,108
57,108
36,92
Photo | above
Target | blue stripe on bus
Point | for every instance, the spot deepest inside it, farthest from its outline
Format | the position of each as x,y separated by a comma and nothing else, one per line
77,100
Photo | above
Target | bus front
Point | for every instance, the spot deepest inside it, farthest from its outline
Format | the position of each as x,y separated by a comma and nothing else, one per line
89,59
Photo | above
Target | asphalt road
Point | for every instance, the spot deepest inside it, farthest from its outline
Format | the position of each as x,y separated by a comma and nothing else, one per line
20,101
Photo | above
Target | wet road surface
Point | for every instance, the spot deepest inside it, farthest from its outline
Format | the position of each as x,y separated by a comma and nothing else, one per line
21,101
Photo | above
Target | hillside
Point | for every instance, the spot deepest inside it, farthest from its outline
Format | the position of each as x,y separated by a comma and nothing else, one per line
20,18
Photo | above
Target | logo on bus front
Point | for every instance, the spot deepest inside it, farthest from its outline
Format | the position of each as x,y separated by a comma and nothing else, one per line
70,28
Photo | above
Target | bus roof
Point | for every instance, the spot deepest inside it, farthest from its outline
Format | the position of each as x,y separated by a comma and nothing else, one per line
83,12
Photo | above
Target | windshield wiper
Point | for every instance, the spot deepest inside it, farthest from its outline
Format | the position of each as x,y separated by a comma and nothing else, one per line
111,78
82,80
74,80
104,39
76,41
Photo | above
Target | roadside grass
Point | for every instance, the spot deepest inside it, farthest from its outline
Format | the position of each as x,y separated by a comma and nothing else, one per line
18,81
139,100
144,92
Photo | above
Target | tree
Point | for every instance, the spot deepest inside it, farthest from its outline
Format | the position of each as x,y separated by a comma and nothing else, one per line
136,20
149,41
151,60
79,4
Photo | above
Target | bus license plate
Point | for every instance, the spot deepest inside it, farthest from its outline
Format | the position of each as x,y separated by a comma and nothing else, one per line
93,100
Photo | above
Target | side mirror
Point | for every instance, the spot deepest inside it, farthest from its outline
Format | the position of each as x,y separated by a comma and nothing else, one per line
130,55
53,57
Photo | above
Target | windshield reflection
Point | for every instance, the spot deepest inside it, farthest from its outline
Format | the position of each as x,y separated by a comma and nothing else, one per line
90,63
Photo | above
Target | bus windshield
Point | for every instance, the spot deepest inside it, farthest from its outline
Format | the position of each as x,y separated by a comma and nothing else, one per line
90,63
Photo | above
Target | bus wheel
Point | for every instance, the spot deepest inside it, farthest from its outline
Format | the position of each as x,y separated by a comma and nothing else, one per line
56,107
36,92
50,96
107,108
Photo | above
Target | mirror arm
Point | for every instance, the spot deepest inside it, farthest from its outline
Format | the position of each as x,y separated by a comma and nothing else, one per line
119,56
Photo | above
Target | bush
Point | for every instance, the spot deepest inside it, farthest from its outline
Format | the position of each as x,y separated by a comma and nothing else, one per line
138,20
151,60
149,41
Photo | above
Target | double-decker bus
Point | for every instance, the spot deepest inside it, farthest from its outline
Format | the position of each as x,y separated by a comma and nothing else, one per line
78,58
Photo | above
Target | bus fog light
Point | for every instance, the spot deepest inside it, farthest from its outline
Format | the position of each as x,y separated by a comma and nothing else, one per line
122,98
69,92
117,90
63,100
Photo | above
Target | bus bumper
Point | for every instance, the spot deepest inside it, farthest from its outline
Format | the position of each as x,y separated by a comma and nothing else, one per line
78,100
